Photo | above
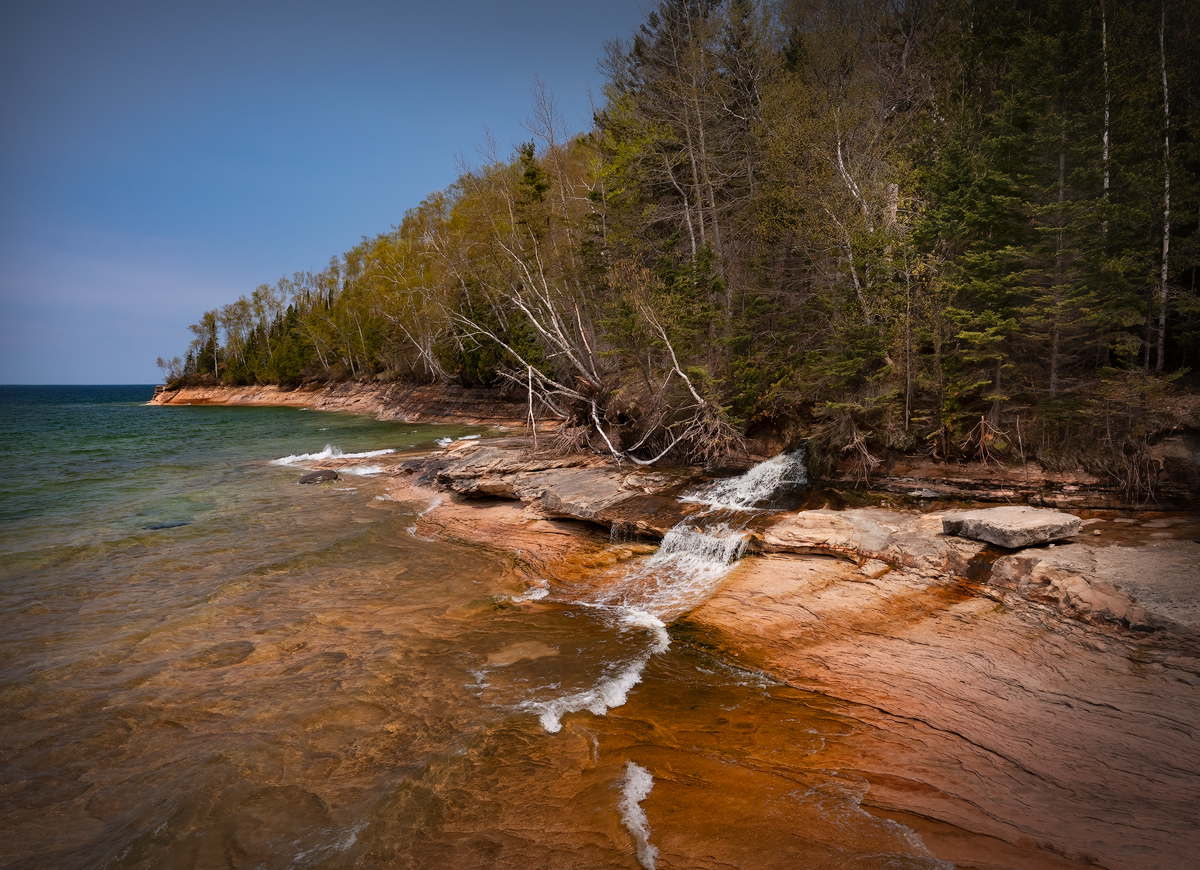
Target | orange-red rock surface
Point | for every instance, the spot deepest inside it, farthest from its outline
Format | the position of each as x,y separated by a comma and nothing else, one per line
1036,708
422,404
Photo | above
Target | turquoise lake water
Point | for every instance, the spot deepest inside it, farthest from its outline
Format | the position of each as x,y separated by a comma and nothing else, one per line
206,665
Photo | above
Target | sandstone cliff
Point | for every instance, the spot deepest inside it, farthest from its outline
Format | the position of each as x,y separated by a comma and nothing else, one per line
422,404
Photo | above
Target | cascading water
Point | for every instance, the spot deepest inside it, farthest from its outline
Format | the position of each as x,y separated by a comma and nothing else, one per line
756,486
689,564
637,786
701,549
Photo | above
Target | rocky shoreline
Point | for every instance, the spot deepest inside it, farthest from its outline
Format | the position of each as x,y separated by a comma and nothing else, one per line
1173,474
420,404
1029,708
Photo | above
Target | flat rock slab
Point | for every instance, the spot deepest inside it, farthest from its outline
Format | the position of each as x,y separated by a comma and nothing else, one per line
1012,527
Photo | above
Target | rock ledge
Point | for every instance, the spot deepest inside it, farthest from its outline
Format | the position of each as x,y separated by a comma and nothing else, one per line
1013,527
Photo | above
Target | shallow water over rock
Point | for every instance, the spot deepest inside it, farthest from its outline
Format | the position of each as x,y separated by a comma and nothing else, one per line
294,679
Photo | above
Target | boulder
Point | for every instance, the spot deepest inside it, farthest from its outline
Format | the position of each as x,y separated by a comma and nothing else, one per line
319,476
1012,527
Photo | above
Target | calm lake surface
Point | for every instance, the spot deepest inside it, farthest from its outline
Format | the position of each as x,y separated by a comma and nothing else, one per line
205,665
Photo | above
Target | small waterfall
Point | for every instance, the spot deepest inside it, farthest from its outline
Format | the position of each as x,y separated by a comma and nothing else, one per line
695,555
758,485
687,566
701,549
693,558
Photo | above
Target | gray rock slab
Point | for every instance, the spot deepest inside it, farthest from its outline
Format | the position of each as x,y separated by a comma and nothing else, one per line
582,493
1013,526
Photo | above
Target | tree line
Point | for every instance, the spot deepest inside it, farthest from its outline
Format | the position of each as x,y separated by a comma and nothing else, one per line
962,227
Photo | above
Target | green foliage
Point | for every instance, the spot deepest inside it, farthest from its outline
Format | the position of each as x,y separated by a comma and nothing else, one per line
884,228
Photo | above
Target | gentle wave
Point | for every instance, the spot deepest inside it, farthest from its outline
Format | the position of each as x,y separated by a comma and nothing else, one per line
598,700
611,691
330,452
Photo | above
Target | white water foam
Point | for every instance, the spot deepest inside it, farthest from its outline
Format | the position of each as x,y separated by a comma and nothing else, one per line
412,530
363,470
688,565
638,784
446,442
612,690
345,839
754,486
330,452
534,593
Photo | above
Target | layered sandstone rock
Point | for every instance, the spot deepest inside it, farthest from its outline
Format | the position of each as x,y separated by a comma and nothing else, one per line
422,404
583,487
1031,709
993,712
1012,526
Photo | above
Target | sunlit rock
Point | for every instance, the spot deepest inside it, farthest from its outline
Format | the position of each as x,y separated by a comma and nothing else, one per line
1012,527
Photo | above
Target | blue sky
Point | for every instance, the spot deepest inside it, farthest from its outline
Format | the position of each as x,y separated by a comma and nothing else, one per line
161,159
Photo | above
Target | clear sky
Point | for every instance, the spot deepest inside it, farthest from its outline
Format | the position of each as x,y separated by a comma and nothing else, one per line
158,159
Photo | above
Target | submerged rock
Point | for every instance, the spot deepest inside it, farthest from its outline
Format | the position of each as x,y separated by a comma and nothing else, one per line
1012,527
320,476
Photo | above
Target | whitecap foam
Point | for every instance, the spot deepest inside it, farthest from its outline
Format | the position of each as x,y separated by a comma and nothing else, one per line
343,842
612,690
330,452
363,470
636,787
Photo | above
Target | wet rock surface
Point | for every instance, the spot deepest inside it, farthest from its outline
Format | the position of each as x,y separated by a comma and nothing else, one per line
1145,587
1036,708
325,474
994,712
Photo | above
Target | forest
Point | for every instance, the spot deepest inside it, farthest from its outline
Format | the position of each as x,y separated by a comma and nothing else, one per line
964,228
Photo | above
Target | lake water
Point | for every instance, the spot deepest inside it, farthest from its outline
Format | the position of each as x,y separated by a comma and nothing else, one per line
205,665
